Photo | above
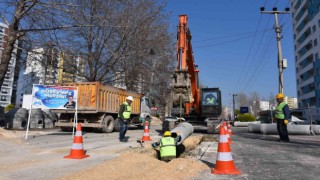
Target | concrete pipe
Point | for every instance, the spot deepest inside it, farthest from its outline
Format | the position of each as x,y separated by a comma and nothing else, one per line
316,129
184,130
254,128
245,124
269,128
292,129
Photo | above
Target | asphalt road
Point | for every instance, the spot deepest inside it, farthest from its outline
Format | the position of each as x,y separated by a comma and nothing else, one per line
41,156
260,156
255,155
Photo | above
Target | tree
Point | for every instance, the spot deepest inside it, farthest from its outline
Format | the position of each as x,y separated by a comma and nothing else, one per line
114,37
242,99
254,102
27,16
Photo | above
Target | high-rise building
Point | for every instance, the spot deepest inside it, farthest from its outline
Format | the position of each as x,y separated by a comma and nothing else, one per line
71,68
48,66
306,29
292,102
41,68
8,88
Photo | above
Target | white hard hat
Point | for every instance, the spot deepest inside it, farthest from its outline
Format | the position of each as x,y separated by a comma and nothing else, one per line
130,98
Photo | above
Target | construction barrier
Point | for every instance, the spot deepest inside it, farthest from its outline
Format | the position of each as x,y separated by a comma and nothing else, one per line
146,134
224,161
77,151
229,129
228,135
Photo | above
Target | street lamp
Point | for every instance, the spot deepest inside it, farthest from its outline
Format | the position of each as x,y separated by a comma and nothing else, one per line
234,108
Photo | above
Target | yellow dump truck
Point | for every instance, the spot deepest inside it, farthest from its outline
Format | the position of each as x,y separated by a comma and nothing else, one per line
98,106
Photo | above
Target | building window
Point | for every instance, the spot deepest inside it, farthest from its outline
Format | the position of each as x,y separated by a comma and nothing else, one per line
313,28
316,56
315,42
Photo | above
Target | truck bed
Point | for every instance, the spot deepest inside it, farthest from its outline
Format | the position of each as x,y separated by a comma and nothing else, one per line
94,98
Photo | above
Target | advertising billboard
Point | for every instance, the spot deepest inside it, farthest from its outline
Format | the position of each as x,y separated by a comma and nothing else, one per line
54,97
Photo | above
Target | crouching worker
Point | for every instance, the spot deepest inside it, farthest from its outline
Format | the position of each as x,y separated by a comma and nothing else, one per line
168,146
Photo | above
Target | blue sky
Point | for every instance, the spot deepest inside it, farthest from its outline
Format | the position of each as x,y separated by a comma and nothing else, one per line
235,45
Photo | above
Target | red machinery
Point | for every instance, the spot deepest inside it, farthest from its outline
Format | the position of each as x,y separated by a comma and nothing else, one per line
186,91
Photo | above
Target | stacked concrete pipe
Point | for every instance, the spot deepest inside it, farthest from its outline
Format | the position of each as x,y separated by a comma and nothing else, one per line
245,124
254,128
292,129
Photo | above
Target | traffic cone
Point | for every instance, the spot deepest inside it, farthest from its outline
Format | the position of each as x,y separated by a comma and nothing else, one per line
77,151
229,129
224,161
226,129
146,135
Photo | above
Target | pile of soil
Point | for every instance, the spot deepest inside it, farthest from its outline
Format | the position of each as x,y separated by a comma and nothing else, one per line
155,121
141,163
7,134
140,166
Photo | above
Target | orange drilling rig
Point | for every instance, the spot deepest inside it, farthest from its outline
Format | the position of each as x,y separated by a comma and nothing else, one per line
198,106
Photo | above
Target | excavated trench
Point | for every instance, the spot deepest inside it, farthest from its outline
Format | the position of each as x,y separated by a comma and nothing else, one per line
142,163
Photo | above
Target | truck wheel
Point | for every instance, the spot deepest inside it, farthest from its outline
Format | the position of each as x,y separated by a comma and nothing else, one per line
108,124
66,129
116,125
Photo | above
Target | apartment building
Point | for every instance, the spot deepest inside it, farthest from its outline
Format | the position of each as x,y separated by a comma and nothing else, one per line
48,66
8,88
306,29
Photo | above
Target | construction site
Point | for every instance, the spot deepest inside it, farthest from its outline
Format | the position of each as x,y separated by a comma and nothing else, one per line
122,103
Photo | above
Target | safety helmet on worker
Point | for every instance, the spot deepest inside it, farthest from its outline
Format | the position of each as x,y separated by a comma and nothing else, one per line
280,96
167,133
130,98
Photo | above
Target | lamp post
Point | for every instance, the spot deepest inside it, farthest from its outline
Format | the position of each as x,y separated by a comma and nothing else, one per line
281,65
234,107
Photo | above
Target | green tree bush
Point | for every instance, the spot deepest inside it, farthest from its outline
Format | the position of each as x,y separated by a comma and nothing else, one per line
246,117
9,107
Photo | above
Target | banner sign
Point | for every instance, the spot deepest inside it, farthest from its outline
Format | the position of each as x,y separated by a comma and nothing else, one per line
54,97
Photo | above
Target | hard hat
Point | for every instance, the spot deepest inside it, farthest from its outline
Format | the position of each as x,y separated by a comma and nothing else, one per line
130,98
280,96
167,133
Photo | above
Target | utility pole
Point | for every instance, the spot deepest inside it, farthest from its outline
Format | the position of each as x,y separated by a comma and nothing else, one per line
234,107
278,30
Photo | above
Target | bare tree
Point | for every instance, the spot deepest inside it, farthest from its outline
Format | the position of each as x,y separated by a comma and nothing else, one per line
24,16
242,99
255,102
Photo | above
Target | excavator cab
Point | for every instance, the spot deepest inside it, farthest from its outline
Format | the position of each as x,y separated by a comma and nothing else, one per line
210,102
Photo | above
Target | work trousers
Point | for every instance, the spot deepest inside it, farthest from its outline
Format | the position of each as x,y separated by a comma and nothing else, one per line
123,129
282,130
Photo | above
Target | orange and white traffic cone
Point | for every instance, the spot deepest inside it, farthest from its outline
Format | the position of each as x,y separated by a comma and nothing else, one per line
224,161
229,129
226,129
77,151
146,135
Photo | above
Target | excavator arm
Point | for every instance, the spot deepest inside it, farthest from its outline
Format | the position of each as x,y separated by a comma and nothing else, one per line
186,89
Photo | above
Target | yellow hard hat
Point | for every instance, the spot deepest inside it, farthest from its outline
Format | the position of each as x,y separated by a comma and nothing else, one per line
167,133
280,96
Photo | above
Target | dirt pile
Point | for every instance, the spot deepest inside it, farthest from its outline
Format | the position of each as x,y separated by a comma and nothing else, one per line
141,163
7,134
141,166
156,121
